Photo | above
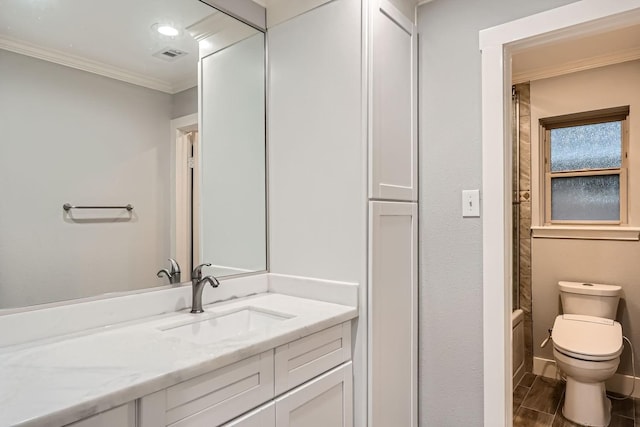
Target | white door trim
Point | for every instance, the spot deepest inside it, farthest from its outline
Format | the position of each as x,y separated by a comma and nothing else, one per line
497,45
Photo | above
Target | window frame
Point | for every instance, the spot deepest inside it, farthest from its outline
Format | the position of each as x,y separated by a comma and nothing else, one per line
616,114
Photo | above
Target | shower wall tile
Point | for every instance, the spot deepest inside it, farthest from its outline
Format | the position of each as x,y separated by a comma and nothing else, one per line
525,294
525,212
525,99
525,261
525,134
525,153
524,225
525,255
525,233
525,291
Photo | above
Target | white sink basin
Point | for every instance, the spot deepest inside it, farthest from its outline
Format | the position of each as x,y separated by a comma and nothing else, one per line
208,328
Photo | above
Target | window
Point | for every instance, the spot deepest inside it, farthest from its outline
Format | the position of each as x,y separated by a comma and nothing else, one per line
585,165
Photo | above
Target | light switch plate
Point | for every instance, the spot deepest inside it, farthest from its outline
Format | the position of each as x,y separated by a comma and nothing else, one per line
470,203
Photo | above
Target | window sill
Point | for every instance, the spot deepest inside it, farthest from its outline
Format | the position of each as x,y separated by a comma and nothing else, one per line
586,232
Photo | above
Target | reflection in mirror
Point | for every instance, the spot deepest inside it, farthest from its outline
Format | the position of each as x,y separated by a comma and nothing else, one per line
233,156
88,93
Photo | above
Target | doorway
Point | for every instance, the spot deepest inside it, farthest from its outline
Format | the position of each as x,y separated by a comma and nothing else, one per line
498,44
185,200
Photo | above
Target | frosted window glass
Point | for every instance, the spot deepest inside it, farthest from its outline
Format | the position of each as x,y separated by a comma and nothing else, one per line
588,198
596,146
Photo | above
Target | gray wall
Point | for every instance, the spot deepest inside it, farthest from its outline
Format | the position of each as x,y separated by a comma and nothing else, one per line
72,136
184,103
451,382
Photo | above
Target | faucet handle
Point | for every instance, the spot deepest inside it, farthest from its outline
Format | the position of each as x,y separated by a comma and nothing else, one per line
197,272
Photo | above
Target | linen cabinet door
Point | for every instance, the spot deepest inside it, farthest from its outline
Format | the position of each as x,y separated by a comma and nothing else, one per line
393,337
326,401
393,129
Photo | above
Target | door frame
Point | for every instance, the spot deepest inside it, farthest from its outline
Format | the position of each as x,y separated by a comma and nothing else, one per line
497,44
180,237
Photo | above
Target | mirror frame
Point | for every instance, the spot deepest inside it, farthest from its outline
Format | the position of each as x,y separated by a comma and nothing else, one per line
247,11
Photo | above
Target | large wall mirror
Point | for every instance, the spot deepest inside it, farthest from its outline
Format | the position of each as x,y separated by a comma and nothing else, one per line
156,104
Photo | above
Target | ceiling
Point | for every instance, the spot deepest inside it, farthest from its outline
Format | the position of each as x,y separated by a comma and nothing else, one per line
550,60
112,38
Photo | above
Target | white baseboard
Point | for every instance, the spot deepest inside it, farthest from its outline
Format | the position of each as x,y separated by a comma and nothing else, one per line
619,383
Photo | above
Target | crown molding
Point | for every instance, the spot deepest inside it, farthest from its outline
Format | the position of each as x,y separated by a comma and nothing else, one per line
90,66
575,66
183,85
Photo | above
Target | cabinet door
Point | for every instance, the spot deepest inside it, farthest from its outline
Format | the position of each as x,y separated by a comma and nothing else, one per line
326,401
393,129
392,314
264,416
122,416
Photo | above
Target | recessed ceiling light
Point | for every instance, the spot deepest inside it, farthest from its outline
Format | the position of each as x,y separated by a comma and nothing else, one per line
166,29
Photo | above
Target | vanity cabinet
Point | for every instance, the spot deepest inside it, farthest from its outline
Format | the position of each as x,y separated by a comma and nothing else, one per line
227,394
326,401
394,150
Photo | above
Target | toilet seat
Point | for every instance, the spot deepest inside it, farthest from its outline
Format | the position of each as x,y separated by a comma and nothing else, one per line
587,337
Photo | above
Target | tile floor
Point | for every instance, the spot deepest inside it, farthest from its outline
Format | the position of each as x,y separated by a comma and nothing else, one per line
537,402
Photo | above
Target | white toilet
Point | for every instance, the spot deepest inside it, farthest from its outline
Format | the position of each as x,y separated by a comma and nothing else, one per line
587,343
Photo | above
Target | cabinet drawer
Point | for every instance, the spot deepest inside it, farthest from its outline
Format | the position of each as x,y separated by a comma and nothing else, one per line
308,357
122,416
213,398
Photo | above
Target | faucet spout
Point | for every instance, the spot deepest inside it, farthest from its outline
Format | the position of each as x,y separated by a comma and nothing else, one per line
197,287
173,273
165,272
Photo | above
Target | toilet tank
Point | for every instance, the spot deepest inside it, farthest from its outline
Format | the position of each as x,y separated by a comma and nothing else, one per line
590,299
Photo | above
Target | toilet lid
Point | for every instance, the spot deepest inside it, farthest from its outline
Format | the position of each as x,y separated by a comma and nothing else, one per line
587,337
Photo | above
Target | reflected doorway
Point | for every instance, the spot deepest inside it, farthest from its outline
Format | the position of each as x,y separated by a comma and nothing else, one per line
186,203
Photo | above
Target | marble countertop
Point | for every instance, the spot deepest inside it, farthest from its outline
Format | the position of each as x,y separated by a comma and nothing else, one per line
58,381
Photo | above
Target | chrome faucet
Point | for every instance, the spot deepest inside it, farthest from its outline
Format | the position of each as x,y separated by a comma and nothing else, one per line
173,273
198,282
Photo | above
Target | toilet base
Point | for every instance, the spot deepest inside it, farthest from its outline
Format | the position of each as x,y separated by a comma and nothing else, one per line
586,403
